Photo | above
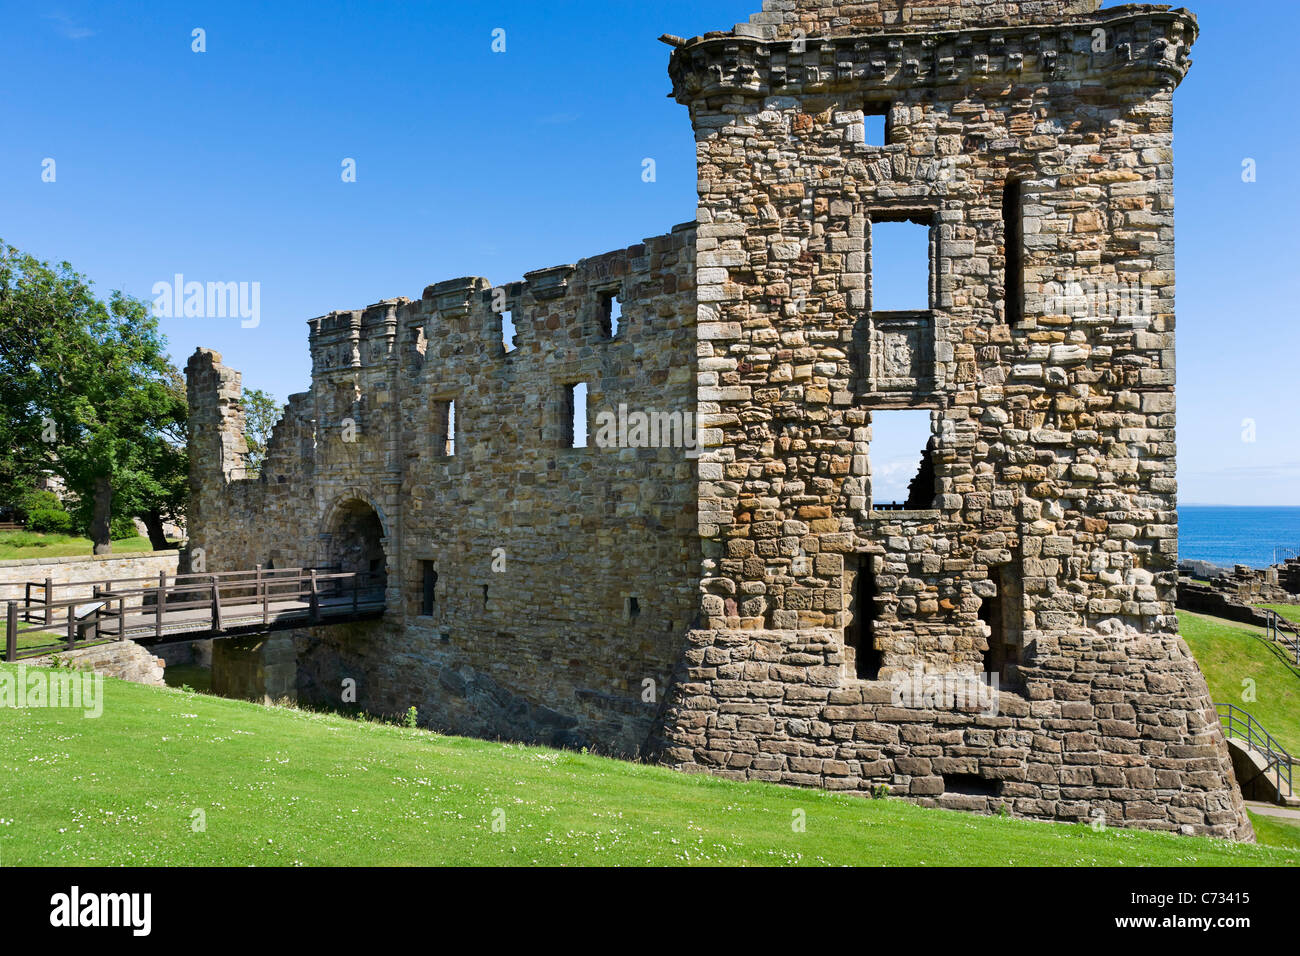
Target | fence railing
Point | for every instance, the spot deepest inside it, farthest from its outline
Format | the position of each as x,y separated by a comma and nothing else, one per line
188,604
1240,724
1283,632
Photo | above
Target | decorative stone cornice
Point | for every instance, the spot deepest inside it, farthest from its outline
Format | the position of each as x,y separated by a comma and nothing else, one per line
1149,46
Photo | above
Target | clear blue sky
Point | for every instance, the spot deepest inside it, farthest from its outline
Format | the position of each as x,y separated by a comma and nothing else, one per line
225,166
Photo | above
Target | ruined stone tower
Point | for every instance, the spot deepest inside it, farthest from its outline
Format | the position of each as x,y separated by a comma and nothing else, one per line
746,608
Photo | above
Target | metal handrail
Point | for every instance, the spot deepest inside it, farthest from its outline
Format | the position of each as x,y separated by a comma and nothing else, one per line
1256,737
1284,632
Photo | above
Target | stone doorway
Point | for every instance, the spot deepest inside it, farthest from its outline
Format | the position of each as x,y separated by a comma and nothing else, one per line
355,543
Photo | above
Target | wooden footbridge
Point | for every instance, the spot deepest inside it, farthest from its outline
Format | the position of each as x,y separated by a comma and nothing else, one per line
54,618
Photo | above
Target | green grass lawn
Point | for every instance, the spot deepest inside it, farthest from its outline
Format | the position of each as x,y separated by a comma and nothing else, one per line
1228,655
280,787
1275,831
15,545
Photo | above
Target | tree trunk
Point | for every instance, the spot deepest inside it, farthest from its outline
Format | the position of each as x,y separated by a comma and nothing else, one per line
153,521
102,516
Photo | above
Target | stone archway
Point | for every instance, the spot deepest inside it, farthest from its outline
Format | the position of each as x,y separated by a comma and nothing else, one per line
354,541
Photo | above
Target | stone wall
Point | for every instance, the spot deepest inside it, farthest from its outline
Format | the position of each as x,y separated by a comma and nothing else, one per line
262,668
811,18
1235,595
124,660
82,572
565,577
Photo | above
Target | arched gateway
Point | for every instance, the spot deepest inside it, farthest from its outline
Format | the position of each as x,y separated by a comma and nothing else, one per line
353,540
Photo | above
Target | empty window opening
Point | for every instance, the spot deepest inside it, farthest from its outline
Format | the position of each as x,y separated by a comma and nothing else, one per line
877,123
444,428
508,331
902,460
860,616
611,314
900,266
575,415
970,784
1014,240
991,617
1001,618
429,584
633,608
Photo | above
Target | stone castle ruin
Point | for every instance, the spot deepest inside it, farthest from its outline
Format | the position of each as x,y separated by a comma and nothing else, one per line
728,597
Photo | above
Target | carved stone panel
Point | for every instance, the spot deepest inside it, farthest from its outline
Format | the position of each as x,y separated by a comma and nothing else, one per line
902,353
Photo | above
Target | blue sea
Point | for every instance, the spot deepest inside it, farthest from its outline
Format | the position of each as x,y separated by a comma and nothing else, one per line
1226,536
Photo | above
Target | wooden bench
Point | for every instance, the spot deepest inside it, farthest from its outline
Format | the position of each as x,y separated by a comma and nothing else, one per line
10,526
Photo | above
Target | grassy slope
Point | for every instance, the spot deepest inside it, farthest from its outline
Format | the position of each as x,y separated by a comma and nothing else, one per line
1229,654
16,545
1276,832
280,787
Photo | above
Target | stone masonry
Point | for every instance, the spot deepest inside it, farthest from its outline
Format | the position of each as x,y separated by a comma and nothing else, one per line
562,579
752,613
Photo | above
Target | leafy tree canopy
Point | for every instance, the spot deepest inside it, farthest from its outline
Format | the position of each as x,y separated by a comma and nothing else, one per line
90,395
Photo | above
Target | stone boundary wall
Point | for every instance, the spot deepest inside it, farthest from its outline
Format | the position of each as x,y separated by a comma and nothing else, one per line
125,660
77,570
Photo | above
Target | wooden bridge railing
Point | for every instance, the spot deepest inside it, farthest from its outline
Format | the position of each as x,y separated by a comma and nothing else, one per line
195,605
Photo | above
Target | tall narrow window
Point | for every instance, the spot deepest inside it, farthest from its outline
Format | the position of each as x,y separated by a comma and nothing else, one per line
429,585
508,330
877,124
900,265
444,428
902,464
860,617
1014,239
575,415
611,314
1002,616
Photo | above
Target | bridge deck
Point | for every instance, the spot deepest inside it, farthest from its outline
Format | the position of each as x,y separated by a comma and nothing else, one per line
215,606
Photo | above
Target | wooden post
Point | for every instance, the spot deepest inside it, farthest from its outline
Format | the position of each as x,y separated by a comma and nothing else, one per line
72,627
315,598
121,619
160,605
92,629
216,606
49,599
11,632
266,598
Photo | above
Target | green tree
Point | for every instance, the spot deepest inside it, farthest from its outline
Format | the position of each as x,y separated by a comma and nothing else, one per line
261,412
88,394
